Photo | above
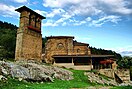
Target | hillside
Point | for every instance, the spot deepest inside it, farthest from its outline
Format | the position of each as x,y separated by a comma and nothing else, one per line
7,40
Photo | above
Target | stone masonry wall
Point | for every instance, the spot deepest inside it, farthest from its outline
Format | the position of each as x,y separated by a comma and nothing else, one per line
56,46
29,40
81,50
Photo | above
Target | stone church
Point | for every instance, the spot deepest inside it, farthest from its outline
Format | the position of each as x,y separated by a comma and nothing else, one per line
59,50
65,51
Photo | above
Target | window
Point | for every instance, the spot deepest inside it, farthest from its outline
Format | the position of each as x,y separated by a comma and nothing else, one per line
60,46
78,50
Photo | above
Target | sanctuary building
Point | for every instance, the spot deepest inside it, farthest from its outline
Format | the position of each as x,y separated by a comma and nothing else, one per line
65,51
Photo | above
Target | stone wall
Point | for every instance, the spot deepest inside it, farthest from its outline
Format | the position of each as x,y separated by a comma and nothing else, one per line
123,74
81,50
107,72
56,46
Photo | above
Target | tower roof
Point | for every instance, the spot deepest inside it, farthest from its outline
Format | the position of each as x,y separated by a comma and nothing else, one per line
24,8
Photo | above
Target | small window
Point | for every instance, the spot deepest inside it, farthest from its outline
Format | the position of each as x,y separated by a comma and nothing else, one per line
78,50
60,46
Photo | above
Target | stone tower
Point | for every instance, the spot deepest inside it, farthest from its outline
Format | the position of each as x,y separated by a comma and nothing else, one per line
29,37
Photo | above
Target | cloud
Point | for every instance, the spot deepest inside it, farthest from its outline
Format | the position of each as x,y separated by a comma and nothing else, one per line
118,6
80,22
41,12
8,10
55,12
104,10
103,20
91,6
124,51
20,1
49,23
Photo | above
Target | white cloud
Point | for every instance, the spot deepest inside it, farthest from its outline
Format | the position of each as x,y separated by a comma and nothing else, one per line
8,10
55,12
49,23
41,12
101,21
20,1
88,19
59,3
124,51
91,6
80,23
105,10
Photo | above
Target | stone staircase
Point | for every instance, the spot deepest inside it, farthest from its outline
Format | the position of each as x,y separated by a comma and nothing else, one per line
120,75
123,74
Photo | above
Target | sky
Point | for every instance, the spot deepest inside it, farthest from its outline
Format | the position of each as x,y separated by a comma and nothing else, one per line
105,24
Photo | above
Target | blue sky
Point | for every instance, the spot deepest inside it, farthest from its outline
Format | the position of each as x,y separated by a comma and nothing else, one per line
105,24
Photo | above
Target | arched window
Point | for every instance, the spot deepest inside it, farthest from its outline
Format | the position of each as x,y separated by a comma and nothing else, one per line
60,46
78,50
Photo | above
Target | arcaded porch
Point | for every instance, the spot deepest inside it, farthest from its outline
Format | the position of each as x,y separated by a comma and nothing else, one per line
83,62
73,61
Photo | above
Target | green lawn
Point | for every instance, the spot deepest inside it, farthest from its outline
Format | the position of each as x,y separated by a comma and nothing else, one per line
122,87
79,81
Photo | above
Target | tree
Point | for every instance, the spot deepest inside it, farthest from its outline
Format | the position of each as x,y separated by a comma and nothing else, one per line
125,62
7,40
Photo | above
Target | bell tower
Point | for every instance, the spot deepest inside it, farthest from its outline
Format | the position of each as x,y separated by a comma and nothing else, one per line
29,37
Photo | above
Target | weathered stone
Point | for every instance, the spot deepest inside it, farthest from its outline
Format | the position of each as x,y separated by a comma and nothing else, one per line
2,78
95,78
34,72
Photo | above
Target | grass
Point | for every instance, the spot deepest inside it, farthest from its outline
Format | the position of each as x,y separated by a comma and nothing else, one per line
79,81
122,87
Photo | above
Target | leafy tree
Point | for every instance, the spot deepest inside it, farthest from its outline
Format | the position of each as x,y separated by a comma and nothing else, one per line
125,62
7,40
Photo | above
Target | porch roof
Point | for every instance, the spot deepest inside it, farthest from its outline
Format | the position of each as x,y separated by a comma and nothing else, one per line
88,56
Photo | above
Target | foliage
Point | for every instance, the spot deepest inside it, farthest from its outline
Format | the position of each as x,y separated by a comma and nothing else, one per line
7,40
126,62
